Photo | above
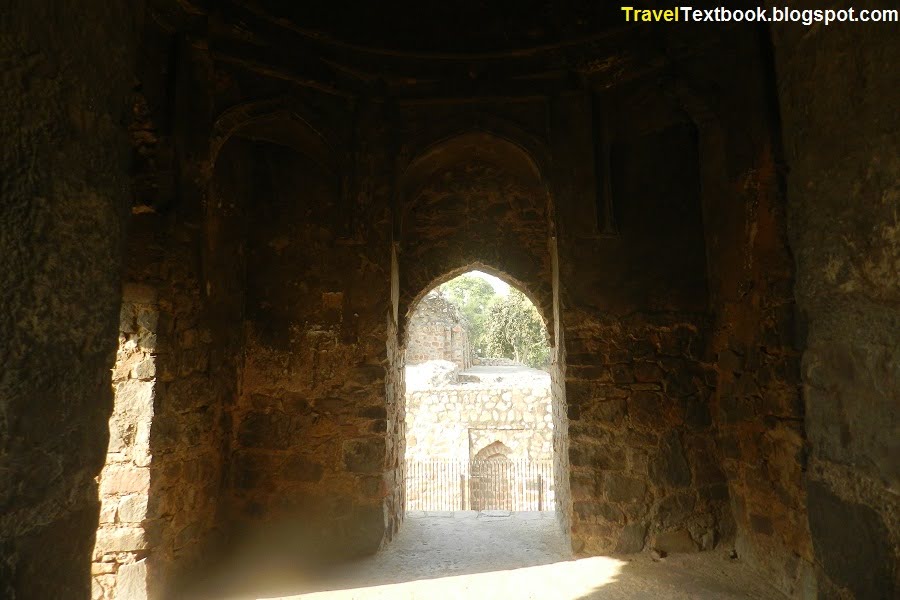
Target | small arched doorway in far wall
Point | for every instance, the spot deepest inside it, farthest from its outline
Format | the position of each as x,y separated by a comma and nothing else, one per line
491,474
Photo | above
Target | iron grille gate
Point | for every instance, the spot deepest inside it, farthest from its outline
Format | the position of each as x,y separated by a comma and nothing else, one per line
516,485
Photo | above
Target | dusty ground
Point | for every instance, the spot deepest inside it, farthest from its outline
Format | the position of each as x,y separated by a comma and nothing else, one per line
442,373
469,555
505,374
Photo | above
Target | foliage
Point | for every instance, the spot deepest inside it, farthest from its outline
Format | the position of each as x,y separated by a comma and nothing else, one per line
514,329
473,296
499,326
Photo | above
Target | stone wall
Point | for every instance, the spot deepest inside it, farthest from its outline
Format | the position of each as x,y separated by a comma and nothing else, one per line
842,204
438,332
756,408
724,352
121,549
487,184
395,423
642,457
187,369
65,172
637,376
456,422
310,443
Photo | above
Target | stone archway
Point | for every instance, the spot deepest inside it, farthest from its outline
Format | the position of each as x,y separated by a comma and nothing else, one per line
478,200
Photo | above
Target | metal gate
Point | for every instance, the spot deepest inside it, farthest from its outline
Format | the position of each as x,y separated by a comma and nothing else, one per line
492,484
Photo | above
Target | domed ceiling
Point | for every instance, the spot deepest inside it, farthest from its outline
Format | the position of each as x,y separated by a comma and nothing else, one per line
447,27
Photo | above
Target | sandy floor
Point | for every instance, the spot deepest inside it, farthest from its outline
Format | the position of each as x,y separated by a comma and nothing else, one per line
498,373
468,555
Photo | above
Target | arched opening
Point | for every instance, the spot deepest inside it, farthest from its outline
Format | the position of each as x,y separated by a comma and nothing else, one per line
478,401
478,201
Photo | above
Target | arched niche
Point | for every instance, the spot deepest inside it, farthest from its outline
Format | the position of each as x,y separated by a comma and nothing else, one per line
277,121
275,197
474,199
476,144
274,179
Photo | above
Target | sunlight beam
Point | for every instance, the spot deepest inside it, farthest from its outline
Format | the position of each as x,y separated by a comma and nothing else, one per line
567,580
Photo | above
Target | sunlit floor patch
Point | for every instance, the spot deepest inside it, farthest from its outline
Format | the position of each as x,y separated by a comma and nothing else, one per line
493,555
563,581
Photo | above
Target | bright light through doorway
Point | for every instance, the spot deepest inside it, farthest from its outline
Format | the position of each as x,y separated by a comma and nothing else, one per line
500,286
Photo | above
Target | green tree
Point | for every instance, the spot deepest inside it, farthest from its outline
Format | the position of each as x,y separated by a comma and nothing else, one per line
472,296
514,329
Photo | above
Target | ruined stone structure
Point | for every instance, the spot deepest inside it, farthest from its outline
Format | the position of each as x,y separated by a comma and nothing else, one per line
248,198
459,421
438,332
457,433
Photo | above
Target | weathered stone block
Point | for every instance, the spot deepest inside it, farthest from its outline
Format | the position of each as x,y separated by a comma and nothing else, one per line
675,542
193,361
622,373
250,469
631,540
579,393
583,485
365,530
670,467
133,508
103,568
638,461
124,480
707,470
761,524
373,412
138,293
300,468
98,591
120,437
696,411
837,526
645,371
643,349
730,362
597,373
645,409
264,430
621,488
134,398
132,581
365,455
330,405
611,411
734,409
681,383
147,340
145,369
364,376
674,510
371,486
120,539
147,318
108,508
610,513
